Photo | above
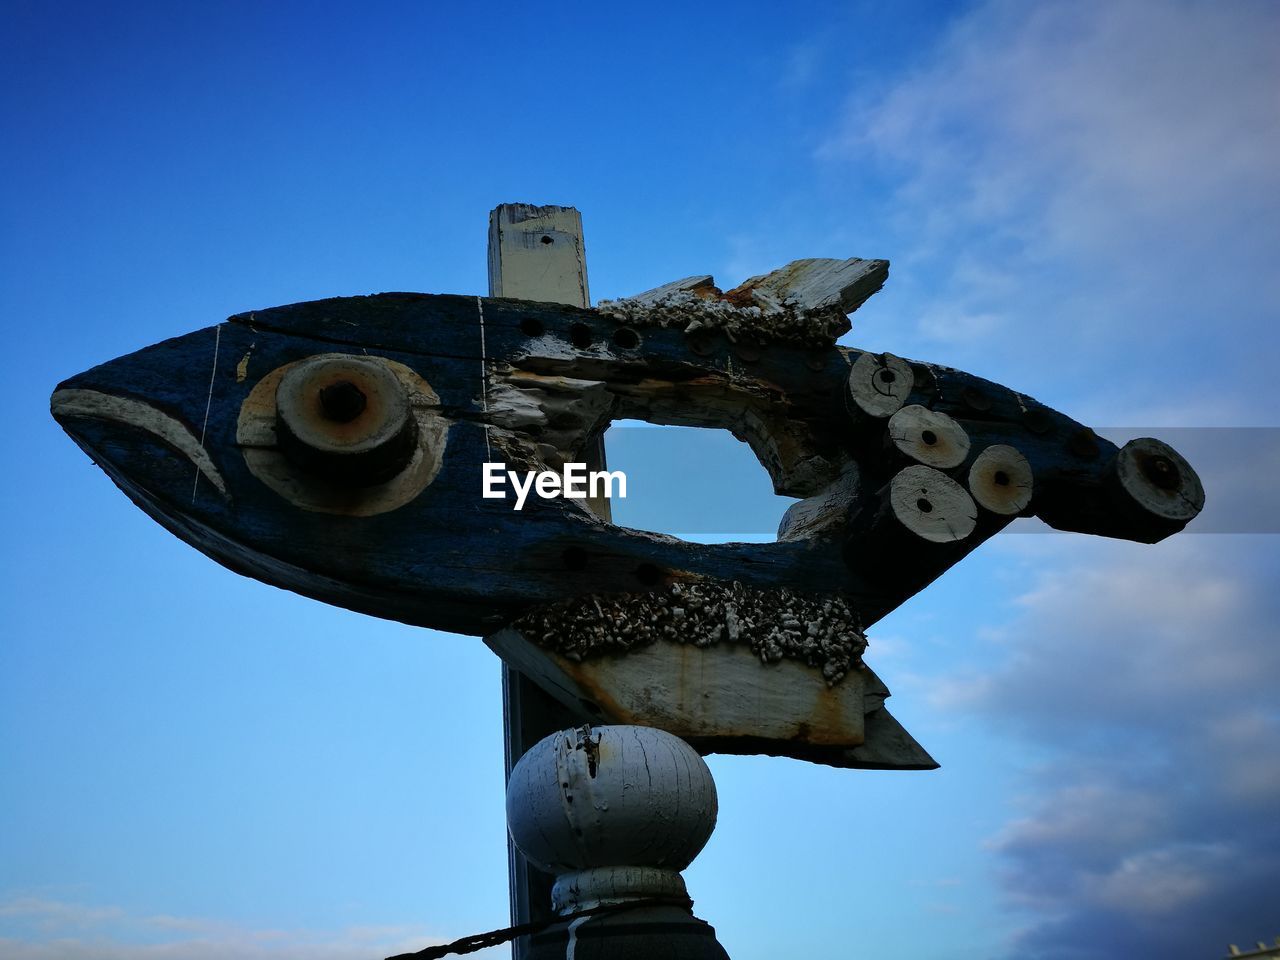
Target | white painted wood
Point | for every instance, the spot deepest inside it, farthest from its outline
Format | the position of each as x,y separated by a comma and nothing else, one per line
1001,480
816,283
616,812
701,692
878,384
537,253
702,285
932,505
929,437
105,406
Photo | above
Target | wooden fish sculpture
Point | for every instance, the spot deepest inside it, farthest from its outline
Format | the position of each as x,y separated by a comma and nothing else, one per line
336,448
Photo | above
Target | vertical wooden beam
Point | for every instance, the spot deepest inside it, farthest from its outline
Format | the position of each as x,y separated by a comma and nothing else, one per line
535,253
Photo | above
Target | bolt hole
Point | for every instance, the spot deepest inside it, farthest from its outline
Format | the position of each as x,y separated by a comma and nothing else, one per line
546,239
1001,478
648,574
342,402
1162,472
575,558
924,505
532,327
929,437
580,335
887,376
626,338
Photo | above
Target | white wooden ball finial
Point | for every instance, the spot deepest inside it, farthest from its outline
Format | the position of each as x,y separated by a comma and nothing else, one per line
615,812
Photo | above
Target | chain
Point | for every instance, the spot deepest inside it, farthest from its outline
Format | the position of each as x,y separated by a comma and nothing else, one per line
479,941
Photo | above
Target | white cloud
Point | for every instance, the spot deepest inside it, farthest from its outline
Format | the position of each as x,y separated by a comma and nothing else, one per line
1112,166
39,928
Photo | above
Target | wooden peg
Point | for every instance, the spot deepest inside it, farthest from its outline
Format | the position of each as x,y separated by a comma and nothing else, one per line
1000,480
929,437
932,506
878,384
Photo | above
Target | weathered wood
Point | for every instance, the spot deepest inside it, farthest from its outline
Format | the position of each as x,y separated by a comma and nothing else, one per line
931,506
616,812
702,286
1156,478
814,284
1001,480
879,384
450,560
929,437
534,385
704,695
535,253
719,700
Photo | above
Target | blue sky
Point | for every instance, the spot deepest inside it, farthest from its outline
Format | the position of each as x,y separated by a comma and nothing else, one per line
1080,200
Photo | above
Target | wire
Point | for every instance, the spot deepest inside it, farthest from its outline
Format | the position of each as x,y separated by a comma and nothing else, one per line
479,941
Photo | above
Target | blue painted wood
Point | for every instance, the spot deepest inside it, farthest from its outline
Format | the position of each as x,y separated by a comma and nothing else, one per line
451,560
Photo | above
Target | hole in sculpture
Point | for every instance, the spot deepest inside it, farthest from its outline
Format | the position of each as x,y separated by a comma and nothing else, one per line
648,574
929,437
626,338
546,239
1001,478
700,484
580,335
924,505
532,327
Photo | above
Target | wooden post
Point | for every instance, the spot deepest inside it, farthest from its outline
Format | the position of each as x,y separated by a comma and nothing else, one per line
536,253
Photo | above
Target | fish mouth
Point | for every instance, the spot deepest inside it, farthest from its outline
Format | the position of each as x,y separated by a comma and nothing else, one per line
71,403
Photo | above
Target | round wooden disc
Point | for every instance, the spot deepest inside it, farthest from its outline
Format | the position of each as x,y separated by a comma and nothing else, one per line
878,384
1001,480
929,437
258,435
379,412
932,505
1159,479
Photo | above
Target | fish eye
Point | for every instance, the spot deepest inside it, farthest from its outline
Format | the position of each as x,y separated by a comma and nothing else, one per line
345,419
340,433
